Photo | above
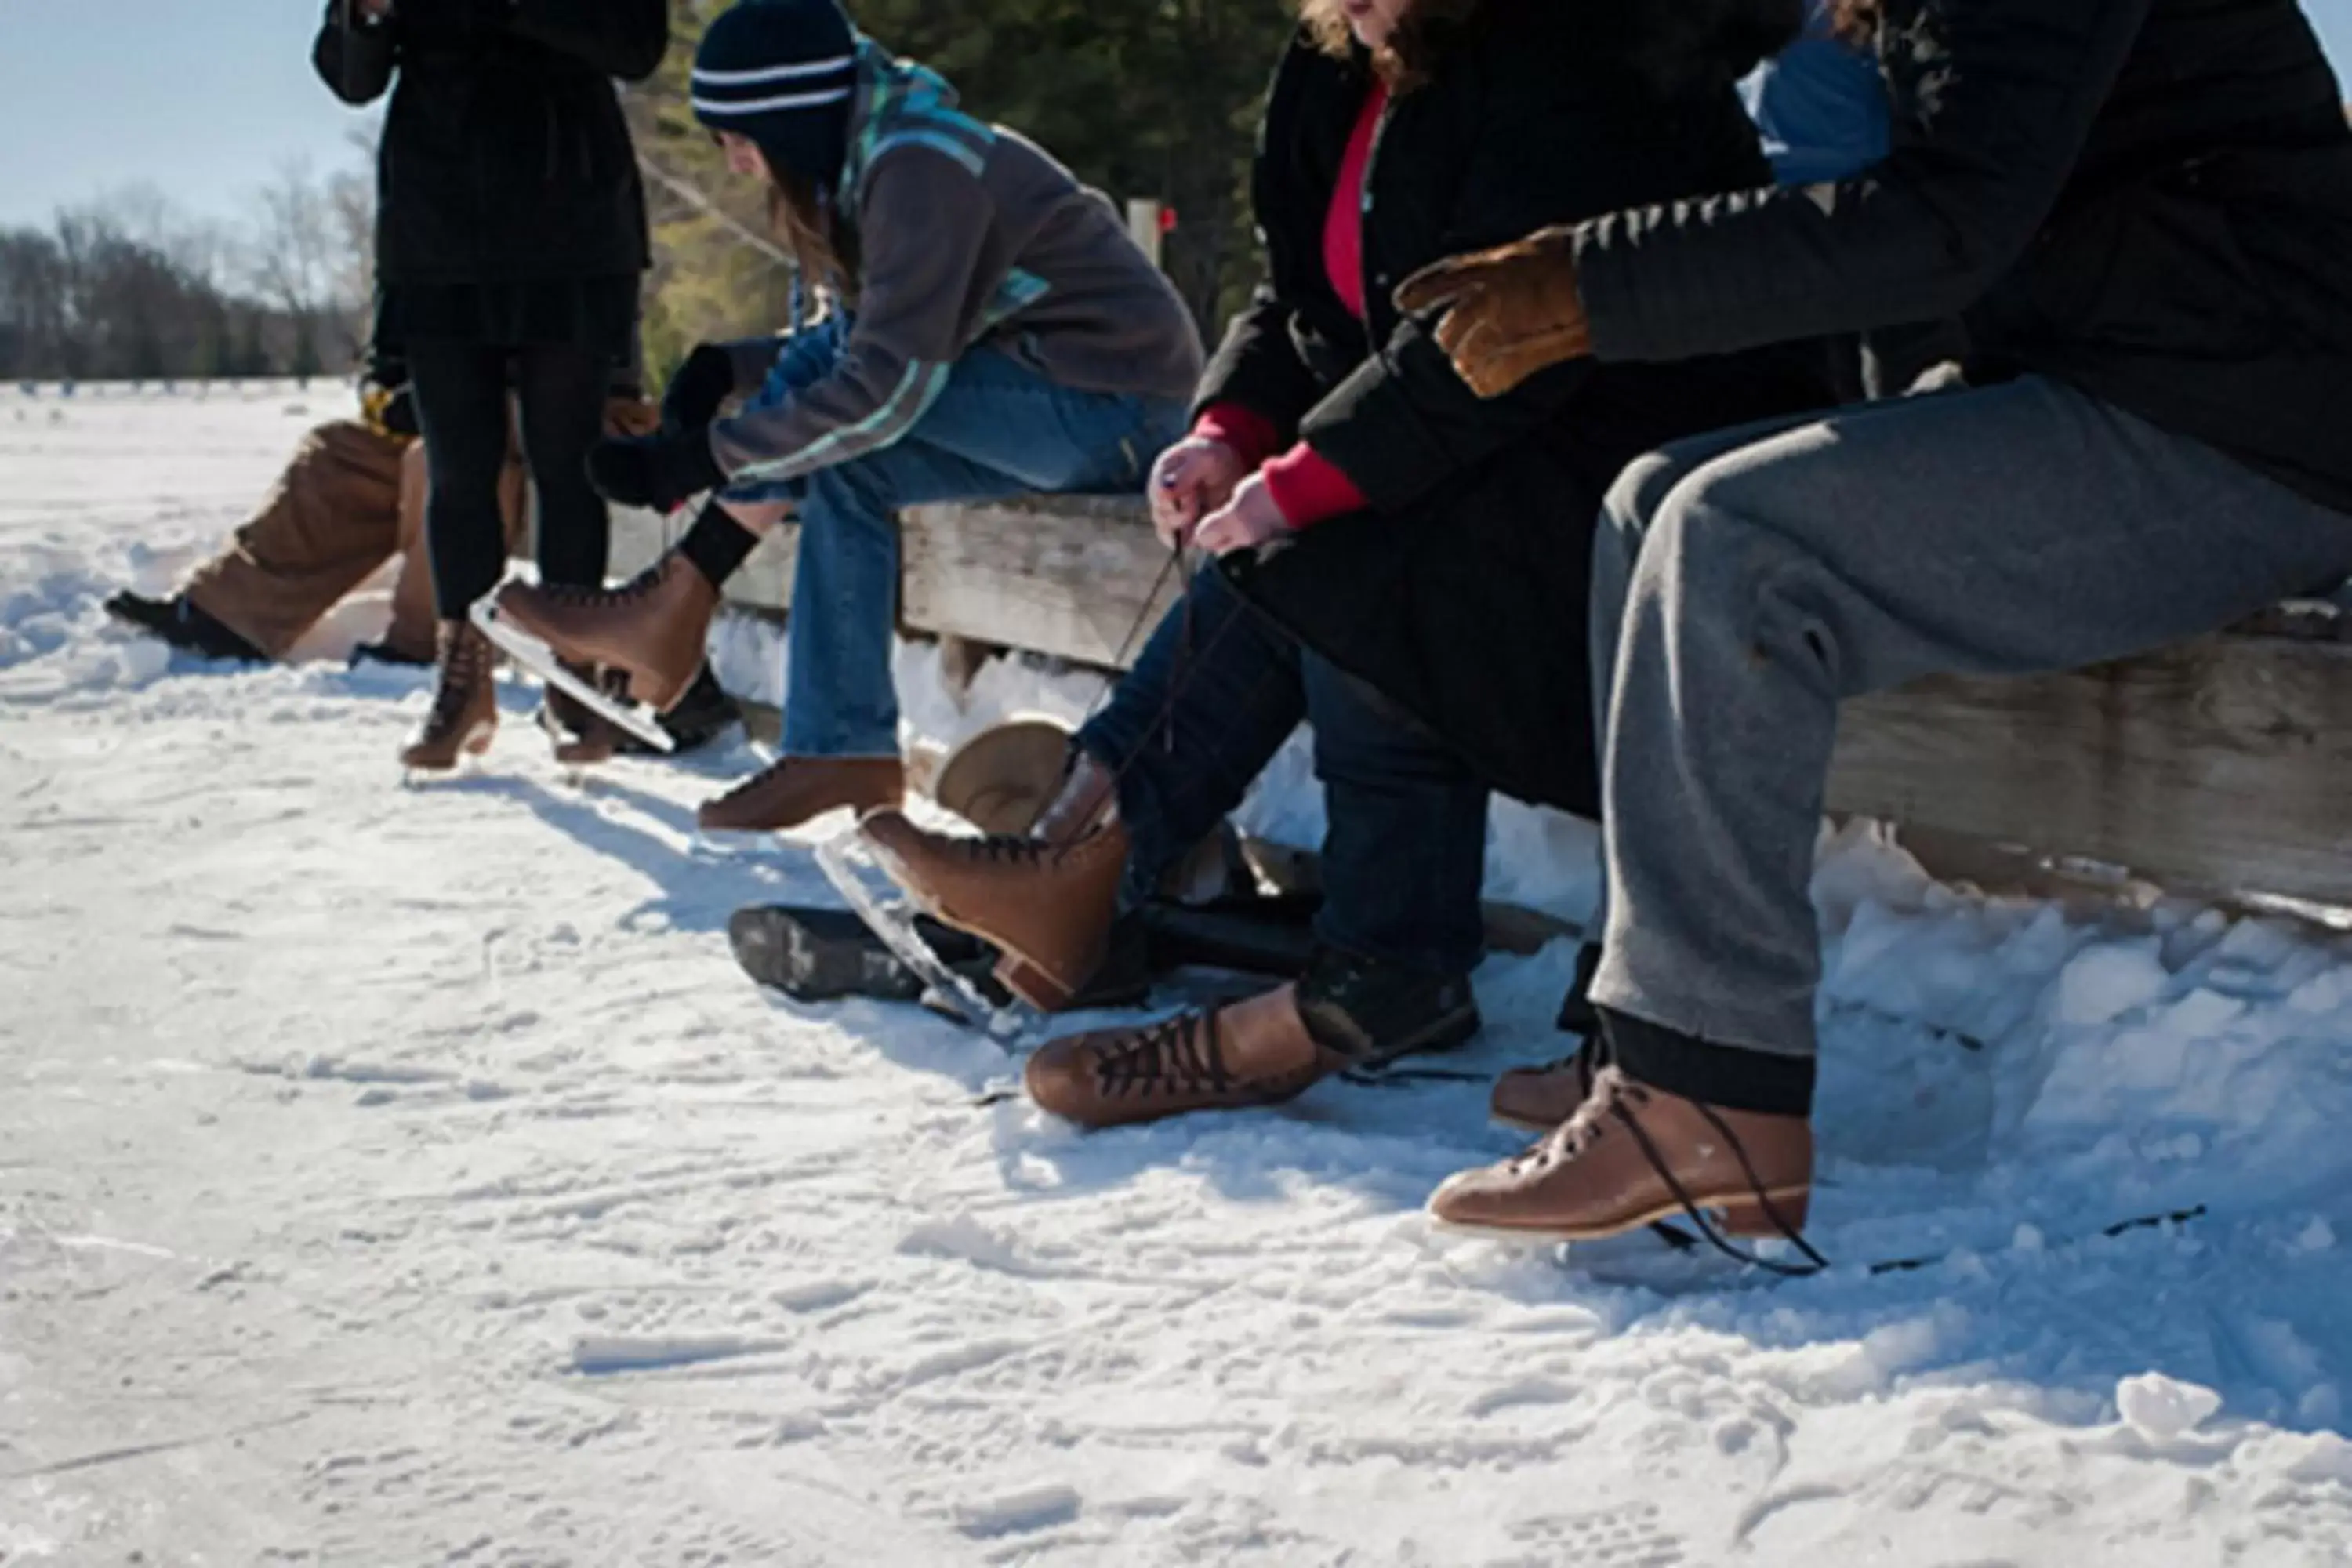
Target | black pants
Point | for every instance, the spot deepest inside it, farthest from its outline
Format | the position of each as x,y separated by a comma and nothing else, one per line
461,404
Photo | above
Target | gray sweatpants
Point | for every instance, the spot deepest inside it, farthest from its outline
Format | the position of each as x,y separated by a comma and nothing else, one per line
1745,582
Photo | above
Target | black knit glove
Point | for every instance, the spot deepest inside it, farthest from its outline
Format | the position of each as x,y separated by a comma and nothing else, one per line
696,388
451,16
661,471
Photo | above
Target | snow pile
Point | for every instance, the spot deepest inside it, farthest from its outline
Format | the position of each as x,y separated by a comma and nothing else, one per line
407,1175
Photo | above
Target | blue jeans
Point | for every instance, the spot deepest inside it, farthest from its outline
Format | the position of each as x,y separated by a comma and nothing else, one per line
1213,697
999,428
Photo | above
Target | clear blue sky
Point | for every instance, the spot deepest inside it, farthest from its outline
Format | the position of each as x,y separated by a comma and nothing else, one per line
204,99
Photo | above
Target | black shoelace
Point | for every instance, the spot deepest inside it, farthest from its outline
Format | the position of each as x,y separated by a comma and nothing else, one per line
1608,1106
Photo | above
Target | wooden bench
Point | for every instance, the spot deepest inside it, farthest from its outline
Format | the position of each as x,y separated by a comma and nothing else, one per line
2223,764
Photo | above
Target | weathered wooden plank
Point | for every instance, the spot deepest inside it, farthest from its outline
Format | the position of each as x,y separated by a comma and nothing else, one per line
2222,762
1070,576
763,583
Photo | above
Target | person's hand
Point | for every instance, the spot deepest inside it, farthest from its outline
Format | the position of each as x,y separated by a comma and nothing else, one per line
373,11
696,388
1509,313
662,472
1246,521
1191,478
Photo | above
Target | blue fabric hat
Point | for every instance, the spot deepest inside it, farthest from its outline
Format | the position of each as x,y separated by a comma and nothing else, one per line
781,72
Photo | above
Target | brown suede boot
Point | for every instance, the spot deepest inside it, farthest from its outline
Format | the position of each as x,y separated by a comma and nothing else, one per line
465,705
1255,1052
652,628
582,736
790,791
1633,1155
1048,906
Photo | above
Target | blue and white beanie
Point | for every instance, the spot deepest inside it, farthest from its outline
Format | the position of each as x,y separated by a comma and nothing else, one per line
781,72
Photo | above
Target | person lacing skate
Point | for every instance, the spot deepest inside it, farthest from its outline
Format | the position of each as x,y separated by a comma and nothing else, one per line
996,331
1421,610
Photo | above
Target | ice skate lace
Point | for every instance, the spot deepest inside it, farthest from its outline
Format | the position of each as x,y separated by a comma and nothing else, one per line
1181,1055
1614,1101
586,597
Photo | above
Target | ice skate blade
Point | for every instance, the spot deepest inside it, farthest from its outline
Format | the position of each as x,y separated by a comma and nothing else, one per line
843,860
534,655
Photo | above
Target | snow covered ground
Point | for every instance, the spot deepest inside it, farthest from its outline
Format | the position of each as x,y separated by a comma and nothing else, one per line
407,1176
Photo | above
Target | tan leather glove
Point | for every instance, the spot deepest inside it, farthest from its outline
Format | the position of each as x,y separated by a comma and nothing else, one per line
1509,313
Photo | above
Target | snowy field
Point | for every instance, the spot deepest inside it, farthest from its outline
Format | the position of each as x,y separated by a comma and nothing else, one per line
407,1176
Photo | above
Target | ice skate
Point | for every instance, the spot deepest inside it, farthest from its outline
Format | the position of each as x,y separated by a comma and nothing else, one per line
464,713
533,653
1633,1155
1047,900
653,628
851,867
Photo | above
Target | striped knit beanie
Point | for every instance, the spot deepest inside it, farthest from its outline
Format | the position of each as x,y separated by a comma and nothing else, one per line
781,72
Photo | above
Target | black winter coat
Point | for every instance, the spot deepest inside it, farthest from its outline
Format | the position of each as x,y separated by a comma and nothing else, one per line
505,157
2149,199
1461,595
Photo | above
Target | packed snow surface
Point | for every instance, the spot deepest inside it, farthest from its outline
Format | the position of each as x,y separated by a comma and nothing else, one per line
400,1177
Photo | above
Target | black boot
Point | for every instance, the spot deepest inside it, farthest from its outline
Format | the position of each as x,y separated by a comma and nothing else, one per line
179,622
701,716
1373,1013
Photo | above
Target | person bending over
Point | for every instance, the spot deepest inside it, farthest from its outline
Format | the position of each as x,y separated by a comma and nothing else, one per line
996,330
1404,562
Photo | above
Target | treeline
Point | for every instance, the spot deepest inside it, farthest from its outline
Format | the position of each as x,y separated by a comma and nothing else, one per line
1155,100
127,288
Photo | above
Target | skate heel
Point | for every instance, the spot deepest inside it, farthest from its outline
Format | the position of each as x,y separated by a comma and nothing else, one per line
1033,984
1748,1218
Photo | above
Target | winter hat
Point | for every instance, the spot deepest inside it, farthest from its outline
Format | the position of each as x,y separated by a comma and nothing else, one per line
781,72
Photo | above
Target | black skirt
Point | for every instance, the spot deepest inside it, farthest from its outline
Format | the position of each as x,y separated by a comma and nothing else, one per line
599,314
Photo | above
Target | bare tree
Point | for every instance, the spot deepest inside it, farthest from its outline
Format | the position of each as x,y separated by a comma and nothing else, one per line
298,261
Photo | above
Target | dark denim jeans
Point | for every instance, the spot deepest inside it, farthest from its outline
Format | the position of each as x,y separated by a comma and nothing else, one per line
1217,690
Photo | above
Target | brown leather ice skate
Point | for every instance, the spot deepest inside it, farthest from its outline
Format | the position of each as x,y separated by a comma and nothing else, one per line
1250,1053
652,628
790,791
1633,1155
1049,905
465,714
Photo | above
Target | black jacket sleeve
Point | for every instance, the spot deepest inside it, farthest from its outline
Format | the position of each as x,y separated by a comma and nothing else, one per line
356,64
1258,366
623,38
1993,99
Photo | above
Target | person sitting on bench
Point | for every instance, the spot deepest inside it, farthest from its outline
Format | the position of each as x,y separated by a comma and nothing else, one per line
1404,561
999,331
2144,213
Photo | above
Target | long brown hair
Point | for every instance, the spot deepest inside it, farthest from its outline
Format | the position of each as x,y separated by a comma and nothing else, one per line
822,247
1426,30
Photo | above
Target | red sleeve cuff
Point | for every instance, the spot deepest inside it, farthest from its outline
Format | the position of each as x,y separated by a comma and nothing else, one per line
1308,487
1245,430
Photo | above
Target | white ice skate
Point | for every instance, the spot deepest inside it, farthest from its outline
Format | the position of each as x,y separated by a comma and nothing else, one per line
533,654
